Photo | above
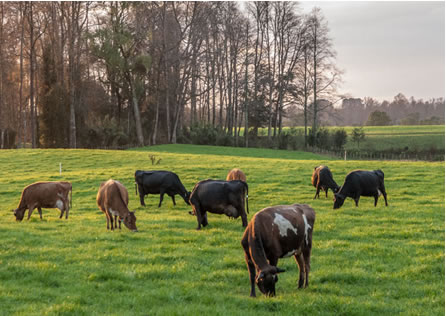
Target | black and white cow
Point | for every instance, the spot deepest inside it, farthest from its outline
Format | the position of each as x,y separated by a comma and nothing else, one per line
278,232
361,183
160,182
219,197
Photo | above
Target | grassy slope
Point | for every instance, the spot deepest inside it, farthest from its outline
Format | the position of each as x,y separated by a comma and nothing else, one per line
365,260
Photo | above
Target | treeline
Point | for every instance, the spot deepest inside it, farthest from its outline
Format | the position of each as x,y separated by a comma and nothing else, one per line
101,74
368,111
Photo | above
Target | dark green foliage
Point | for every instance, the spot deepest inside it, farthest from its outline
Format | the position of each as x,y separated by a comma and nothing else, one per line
378,118
358,135
339,138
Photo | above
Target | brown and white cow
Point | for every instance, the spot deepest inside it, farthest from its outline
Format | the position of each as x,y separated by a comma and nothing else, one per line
236,174
46,195
113,200
278,232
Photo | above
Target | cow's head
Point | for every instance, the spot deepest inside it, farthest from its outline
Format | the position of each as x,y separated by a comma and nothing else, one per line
19,214
266,280
338,200
336,190
130,221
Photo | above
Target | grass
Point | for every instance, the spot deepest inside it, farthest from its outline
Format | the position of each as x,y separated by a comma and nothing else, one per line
414,137
365,260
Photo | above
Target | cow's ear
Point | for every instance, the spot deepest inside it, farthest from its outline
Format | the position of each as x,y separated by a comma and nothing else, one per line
280,270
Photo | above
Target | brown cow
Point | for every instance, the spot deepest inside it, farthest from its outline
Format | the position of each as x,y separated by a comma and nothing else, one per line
44,194
277,232
236,174
323,179
113,200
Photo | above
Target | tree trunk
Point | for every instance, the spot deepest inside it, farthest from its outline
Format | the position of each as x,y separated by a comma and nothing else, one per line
31,76
137,115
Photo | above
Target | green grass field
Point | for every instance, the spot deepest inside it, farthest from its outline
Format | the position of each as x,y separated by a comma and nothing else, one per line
365,260
416,137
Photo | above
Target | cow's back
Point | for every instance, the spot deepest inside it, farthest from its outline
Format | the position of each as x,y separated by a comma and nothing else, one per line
112,194
285,227
361,181
236,174
43,194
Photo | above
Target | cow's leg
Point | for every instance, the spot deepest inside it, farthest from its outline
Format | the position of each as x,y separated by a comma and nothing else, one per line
119,223
326,192
111,222
173,199
318,189
197,212
357,200
161,198
307,256
300,262
376,198
252,273
116,221
62,211
30,211
40,212
141,199
204,220
67,207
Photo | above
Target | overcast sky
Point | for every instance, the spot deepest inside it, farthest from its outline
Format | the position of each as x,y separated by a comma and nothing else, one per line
388,47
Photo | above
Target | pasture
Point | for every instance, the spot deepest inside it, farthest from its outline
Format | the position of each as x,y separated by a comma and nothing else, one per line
365,260
414,137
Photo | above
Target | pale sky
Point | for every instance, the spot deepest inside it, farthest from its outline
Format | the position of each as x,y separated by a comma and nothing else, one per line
387,47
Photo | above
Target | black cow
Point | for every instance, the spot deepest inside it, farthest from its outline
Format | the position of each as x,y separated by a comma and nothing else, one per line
360,182
219,197
160,182
278,232
323,179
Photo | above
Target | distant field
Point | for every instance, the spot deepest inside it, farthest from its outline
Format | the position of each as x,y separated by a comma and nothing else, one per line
398,136
365,260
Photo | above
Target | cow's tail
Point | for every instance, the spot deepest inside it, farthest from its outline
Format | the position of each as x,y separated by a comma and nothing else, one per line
136,188
71,197
247,204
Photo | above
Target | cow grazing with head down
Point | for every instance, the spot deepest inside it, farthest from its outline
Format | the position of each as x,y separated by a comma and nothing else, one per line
113,200
278,232
219,197
236,174
44,195
360,182
323,179
160,182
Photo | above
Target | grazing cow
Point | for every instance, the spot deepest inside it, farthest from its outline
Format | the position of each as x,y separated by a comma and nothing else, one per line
278,232
160,182
360,182
236,174
113,200
219,197
323,179
46,195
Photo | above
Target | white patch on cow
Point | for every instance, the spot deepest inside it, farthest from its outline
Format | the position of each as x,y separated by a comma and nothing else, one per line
114,213
379,193
59,204
283,225
289,254
307,226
